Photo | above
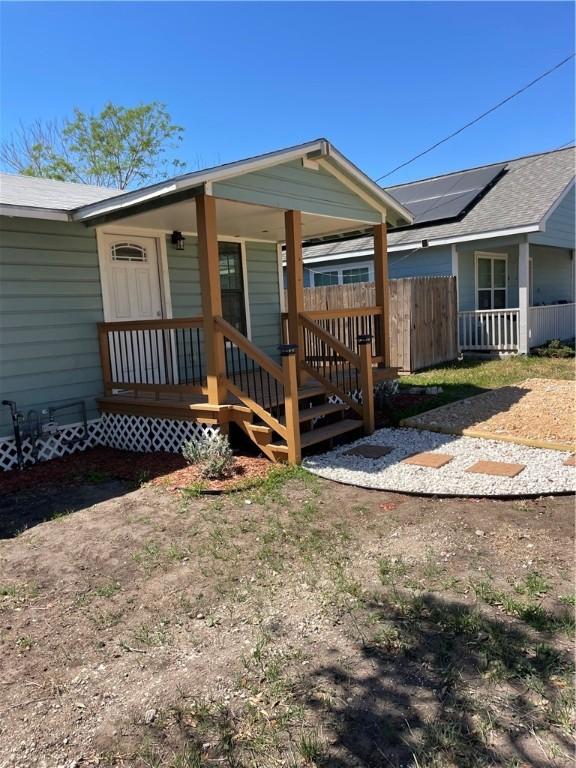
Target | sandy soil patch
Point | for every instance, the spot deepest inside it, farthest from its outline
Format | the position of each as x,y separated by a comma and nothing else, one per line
539,411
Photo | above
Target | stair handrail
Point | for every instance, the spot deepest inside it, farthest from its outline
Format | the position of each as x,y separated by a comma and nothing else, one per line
328,338
244,394
362,363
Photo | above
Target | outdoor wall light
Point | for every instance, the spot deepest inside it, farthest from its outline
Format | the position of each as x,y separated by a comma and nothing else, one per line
178,239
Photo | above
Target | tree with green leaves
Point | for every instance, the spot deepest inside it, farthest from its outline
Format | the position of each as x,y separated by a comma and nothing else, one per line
119,147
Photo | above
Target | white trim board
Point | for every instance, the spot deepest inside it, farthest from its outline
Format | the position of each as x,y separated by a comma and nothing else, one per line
417,244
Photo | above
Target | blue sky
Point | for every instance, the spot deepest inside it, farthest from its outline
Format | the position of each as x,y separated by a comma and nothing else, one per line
382,81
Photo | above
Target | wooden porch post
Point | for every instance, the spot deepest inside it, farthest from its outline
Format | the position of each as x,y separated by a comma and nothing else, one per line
295,277
381,283
367,382
291,410
209,262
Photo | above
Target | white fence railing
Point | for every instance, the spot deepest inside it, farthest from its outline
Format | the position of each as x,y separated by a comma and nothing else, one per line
555,321
489,329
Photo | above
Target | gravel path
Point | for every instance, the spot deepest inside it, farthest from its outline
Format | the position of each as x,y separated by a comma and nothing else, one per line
544,471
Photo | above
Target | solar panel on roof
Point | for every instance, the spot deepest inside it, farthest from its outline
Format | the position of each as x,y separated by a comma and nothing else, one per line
445,197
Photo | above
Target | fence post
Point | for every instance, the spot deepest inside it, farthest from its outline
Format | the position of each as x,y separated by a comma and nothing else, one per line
104,345
367,381
291,409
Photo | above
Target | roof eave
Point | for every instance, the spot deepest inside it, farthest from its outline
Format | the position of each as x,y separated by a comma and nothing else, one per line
32,212
195,179
382,201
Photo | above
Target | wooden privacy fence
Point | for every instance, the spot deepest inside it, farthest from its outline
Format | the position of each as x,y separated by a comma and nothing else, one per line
423,316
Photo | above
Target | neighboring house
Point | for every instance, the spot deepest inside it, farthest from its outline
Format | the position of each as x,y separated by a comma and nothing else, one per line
157,313
506,230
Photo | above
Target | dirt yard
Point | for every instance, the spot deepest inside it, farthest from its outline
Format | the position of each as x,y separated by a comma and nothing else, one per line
302,623
541,410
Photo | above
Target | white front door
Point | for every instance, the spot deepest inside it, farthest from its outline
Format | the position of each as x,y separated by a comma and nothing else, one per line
131,274
133,278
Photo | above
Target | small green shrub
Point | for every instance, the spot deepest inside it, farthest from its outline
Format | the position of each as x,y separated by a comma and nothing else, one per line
212,454
555,348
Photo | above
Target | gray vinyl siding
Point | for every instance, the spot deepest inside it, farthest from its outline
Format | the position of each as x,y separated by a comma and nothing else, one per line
467,271
429,262
264,296
560,227
292,186
553,275
426,262
263,289
50,302
184,275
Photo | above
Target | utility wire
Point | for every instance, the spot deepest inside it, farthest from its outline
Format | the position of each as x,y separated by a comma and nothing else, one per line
479,117
436,201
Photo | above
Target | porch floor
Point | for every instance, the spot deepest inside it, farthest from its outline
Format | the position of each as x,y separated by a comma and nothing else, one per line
196,407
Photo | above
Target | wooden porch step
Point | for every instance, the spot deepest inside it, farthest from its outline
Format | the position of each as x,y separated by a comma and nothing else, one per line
321,434
318,411
329,431
311,389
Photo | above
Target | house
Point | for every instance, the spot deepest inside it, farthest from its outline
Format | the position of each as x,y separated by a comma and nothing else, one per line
506,231
140,319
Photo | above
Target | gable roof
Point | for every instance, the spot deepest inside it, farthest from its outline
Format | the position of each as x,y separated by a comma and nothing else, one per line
26,195
518,202
47,198
320,150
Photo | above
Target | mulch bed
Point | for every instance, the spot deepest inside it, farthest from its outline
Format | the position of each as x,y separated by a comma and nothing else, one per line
98,465
246,470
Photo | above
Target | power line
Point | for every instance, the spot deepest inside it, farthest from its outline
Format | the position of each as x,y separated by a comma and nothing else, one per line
479,117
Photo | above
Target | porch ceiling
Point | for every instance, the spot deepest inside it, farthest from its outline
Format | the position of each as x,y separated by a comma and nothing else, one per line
236,219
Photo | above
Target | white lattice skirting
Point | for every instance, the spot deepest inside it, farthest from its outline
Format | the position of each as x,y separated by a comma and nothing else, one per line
140,433
130,433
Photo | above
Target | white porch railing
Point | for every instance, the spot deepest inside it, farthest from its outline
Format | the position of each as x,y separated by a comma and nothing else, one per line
554,321
489,329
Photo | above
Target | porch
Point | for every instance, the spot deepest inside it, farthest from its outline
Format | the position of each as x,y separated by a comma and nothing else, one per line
158,369
498,330
514,297
247,356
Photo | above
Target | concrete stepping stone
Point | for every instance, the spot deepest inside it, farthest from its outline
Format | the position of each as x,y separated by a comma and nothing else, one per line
497,468
570,461
369,451
430,460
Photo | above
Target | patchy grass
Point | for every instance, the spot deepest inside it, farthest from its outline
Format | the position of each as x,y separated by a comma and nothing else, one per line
293,624
466,378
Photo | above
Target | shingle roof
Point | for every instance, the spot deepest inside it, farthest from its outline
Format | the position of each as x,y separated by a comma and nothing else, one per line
521,197
34,192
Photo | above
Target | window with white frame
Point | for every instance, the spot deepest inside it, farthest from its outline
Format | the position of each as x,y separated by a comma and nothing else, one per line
362,273
491,280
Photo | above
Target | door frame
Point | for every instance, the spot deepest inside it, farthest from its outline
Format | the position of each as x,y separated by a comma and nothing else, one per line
160,236
161,259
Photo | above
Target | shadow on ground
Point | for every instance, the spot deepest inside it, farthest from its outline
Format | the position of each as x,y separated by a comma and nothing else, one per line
440,684
25,509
